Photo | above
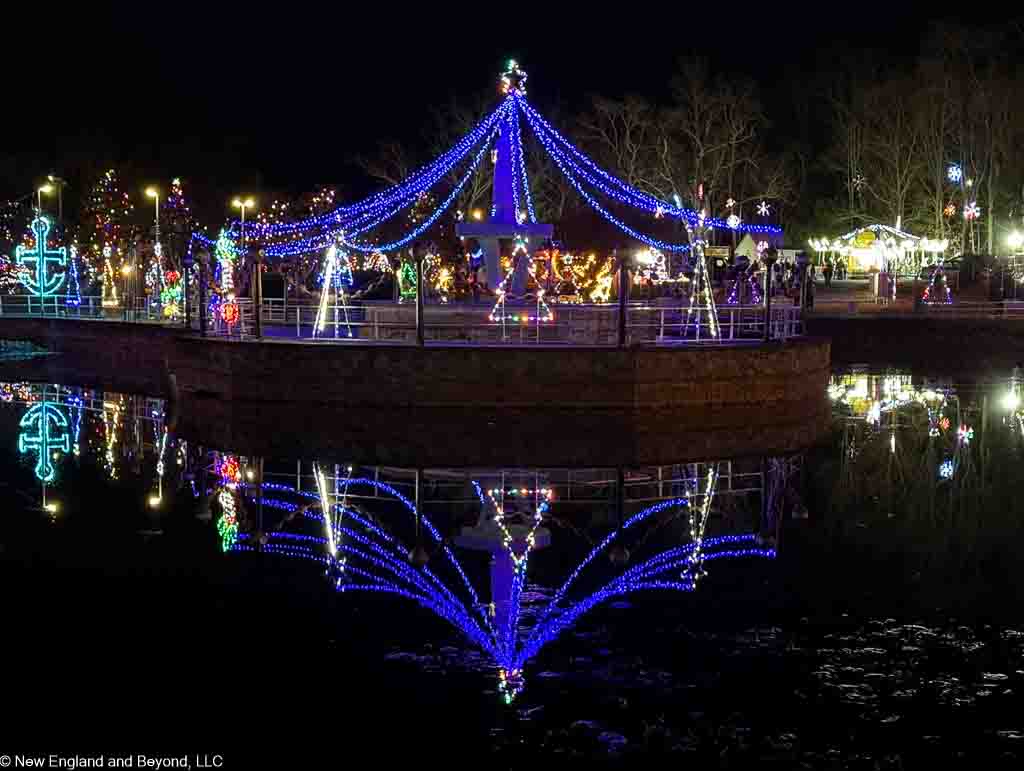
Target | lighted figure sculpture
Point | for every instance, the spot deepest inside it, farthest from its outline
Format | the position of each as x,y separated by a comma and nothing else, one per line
745,288
376,561
40,280
44,432
227,469
73,291
651,267
171,294
937,295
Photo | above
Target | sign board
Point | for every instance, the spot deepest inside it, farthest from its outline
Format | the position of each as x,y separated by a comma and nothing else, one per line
716,251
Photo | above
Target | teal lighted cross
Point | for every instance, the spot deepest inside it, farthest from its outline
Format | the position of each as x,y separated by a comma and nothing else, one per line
44,431
41,282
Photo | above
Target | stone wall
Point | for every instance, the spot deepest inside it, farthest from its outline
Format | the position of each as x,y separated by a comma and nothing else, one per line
407,405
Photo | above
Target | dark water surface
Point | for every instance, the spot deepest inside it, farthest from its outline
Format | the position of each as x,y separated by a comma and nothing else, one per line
856,605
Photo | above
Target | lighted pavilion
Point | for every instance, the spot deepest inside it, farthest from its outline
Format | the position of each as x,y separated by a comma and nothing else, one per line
876,246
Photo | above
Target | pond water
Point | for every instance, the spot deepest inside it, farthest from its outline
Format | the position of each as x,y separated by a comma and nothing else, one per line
855,605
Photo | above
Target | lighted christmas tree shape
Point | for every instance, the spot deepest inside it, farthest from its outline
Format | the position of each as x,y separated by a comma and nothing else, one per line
337,277
109,279
40,281
407,280
45,432
702,293
499,311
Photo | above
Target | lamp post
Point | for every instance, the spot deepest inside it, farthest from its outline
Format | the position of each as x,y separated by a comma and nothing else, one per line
47,188
153,193
60,184
257,281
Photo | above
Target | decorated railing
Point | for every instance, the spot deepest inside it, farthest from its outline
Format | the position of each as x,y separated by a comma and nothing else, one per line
469,324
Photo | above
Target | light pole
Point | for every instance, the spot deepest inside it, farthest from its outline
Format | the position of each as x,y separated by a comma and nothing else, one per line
257,281
47,188
153,193
60,183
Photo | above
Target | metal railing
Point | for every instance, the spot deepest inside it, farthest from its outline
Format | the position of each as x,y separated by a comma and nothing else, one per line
384,322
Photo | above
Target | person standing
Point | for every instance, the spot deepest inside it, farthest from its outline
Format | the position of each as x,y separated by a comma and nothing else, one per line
828,273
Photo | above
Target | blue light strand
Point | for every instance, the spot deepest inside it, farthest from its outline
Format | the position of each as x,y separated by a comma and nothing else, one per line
313,245
410,187
629,195
656,243
549,629
522,167
638,517
513,163
426,522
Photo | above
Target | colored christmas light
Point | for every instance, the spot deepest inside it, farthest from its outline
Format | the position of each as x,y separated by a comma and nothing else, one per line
40,280
44,431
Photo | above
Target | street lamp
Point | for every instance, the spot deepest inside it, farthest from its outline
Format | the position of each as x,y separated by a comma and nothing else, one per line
1015,240
61,184
153,193
47,188
256,289
248,203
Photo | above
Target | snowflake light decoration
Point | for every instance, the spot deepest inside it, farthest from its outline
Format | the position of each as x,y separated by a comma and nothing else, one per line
858,182
659,212
972,211
954,173
944,424
732,221
950,210
946,469
730,203
965,434
764,209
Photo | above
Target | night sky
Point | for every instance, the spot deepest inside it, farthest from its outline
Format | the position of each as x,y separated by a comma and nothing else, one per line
284,100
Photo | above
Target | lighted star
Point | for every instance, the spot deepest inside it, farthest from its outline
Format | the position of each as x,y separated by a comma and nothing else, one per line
513,79
764,209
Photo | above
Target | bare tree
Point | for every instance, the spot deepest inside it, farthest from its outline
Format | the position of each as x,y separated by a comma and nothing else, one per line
892,145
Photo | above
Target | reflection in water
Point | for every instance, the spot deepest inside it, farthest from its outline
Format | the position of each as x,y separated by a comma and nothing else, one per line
116,429
513,559
351,526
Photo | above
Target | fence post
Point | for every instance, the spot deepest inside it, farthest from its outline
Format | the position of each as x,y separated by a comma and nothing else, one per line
623,289
769,261
419,296
202,297
257,294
